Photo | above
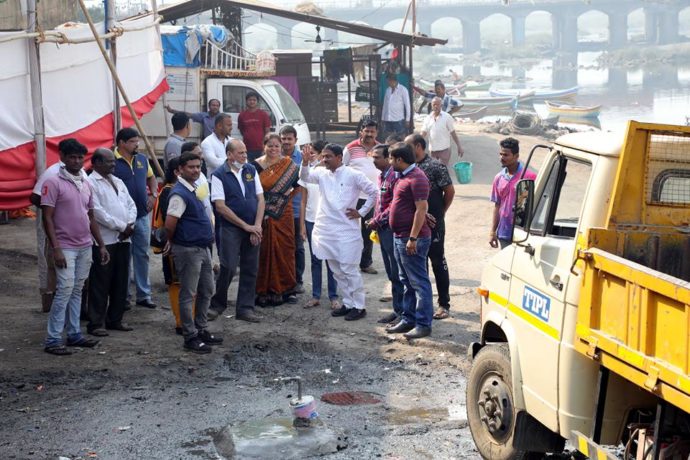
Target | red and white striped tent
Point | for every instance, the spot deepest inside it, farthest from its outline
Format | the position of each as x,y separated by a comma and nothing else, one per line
77,96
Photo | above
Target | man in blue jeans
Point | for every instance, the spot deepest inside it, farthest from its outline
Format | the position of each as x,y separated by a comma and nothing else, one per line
134,170
379,222
67,205
412,238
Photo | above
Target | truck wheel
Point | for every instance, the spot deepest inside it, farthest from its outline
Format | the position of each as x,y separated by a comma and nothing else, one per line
490,410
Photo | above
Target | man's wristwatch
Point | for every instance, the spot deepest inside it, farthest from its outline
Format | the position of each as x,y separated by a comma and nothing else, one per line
413,238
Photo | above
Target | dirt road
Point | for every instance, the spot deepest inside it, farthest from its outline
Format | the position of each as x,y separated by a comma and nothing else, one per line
139,395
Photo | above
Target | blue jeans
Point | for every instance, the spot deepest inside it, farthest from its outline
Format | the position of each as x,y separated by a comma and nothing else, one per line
391,266
141,240
317,271
66,306
418,304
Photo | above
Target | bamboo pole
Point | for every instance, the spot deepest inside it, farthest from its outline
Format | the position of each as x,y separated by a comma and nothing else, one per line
120,87
407,14
414,16
36,91
110,22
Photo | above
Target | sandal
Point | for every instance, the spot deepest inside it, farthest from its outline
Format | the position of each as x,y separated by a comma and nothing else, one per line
312,303
83,342
441,313
335,304
58,350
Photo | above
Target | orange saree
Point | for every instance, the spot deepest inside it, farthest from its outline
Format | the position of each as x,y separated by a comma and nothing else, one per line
276,274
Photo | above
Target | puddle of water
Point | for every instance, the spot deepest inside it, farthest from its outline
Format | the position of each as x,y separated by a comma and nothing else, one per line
277,438
454,412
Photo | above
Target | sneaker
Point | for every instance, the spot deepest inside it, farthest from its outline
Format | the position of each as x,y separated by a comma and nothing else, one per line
342,311
196,345
209,338
355,313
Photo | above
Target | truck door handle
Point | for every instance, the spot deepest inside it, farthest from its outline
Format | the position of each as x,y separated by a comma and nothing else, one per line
556,282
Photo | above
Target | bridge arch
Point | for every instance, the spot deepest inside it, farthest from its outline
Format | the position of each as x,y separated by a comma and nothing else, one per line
345,38
593,27
636,24
495,31
396,24
261,36
539,28
448,28
684,22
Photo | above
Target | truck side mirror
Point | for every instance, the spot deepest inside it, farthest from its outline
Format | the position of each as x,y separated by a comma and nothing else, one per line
522,209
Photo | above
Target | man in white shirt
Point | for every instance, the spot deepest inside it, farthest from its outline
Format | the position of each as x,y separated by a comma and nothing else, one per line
213,147
238,198
46,269
115,214
438,129
396,108
337,235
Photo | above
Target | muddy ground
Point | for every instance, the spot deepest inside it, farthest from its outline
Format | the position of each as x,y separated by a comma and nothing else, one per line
138,395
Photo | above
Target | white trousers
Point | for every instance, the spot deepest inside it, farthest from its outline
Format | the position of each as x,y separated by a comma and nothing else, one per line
350,283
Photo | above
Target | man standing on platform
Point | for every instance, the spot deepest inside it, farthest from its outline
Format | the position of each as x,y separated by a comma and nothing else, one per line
206,119
336,237
356,156
238,197
115,213
134,170
254,124
396,108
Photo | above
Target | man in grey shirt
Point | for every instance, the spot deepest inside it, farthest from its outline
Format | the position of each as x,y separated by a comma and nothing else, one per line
173,146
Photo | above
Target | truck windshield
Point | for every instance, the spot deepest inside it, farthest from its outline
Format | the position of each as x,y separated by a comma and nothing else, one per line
282,98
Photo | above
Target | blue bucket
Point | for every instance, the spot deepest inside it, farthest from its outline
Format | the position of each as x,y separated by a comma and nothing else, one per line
463,171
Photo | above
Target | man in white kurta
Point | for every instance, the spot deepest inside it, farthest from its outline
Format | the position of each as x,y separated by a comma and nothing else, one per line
337,237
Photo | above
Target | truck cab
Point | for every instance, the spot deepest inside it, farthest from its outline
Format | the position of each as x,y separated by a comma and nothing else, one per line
533,383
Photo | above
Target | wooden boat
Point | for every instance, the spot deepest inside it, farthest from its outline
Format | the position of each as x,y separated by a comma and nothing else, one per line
539,94
502,101
573,111
475,114
475,86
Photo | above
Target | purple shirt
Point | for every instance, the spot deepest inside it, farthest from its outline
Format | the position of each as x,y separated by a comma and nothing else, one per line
412,186
503,194
71,219
387,180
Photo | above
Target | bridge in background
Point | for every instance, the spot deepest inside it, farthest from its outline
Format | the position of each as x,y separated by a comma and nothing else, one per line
661,18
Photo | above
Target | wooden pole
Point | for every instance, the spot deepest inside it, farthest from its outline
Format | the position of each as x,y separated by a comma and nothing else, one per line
120,87
414,16
109,22
36,91
407,14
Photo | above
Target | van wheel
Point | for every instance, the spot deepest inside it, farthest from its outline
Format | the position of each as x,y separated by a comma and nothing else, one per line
490,409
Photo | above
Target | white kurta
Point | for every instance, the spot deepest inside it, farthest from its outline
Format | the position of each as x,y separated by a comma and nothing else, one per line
335,236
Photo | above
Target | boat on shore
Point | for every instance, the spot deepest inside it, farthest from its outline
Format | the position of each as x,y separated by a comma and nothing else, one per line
573,111
496,101
539,94
474,114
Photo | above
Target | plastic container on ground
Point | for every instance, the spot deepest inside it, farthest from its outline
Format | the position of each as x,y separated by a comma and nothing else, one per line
463,171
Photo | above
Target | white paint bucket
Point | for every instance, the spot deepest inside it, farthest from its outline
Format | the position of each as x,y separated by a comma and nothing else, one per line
304,408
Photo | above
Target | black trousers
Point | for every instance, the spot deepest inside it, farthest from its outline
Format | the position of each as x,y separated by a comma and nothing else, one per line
108,286
366,259
438,263
299,252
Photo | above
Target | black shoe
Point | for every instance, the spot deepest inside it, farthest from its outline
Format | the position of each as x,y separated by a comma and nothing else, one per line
212,314
342,311
402,326
355,313
249,316
178,331
119,327
196,345
146,303
388,318
83,342
209,338
127,307
418,333
291,299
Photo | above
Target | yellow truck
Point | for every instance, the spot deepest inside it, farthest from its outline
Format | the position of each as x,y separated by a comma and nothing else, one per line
585,317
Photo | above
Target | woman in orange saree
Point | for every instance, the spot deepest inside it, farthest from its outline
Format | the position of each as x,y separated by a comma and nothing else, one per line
276,280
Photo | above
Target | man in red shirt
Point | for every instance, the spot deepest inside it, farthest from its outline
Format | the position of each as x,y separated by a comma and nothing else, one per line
254,124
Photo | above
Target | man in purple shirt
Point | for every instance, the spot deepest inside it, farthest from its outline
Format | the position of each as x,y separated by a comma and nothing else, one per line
503,192
407,220
67,204
379,222
206,119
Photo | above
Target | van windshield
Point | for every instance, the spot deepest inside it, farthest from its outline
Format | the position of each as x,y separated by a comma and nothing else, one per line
282,98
